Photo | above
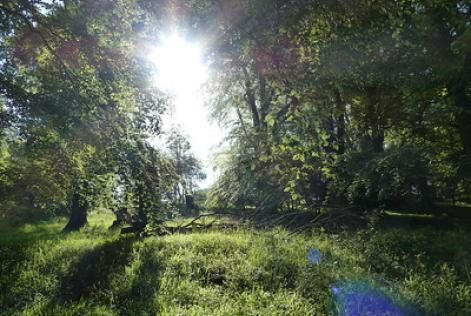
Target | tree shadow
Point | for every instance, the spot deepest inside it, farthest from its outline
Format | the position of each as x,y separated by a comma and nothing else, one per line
414,221
28,233
96,279
140,297
95,269
461,213
444,221
442,217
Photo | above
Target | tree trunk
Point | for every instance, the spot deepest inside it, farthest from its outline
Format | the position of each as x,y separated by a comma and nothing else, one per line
329,126
374,120
377,140
340,116
122,217
190,202
141,222
265,99
78,213
426,199
250,99
463,119
464,126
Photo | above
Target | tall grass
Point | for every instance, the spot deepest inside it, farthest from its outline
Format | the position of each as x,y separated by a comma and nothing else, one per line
241,272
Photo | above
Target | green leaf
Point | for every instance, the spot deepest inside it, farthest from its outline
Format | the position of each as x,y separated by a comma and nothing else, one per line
270,120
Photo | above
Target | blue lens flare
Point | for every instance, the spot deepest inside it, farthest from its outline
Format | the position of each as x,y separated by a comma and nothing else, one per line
356,298
314,256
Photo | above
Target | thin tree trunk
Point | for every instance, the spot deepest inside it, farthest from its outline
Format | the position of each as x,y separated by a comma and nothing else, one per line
340,116
141,223
374,121
377,139
122,217
265,99
250,99
329,126
242,124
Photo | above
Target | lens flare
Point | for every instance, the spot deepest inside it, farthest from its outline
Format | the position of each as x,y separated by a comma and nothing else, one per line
314,256
357,298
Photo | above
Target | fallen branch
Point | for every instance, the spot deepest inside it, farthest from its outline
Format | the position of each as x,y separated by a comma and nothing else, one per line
197,218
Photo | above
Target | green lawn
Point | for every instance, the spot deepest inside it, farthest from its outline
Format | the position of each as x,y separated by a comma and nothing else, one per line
422,270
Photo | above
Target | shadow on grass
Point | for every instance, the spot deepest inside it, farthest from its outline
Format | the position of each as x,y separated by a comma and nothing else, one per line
10,256
461,213
140,297
94,271
30,232
446,218
94,276
120,275
413,221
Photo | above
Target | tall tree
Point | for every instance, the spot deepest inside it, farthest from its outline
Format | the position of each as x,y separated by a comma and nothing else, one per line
187,167
74,68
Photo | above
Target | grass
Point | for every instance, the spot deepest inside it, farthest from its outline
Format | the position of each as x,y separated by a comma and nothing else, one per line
50,229
423,270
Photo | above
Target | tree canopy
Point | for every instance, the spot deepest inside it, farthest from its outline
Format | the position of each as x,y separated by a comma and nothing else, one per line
331,103
362,104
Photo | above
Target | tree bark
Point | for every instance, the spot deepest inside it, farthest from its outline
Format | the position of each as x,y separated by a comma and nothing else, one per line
250,99
78,213
190,202
329,126
122,217
377,140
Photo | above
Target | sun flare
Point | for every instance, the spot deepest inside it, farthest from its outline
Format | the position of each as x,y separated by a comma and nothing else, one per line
180,67
181,71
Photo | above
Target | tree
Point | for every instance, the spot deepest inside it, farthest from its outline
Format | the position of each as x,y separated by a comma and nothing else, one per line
313,87
187,167
66,70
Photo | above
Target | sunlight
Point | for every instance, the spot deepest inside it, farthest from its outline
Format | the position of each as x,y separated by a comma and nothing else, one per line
182,72
180,66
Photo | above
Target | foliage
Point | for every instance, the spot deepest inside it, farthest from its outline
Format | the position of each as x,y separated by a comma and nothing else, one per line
188,168
329,105
77,98
395,178
334,103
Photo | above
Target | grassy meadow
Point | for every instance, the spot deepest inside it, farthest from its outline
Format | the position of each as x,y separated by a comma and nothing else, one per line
423,270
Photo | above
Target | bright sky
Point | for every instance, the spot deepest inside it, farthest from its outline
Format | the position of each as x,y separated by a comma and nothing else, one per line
181,71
